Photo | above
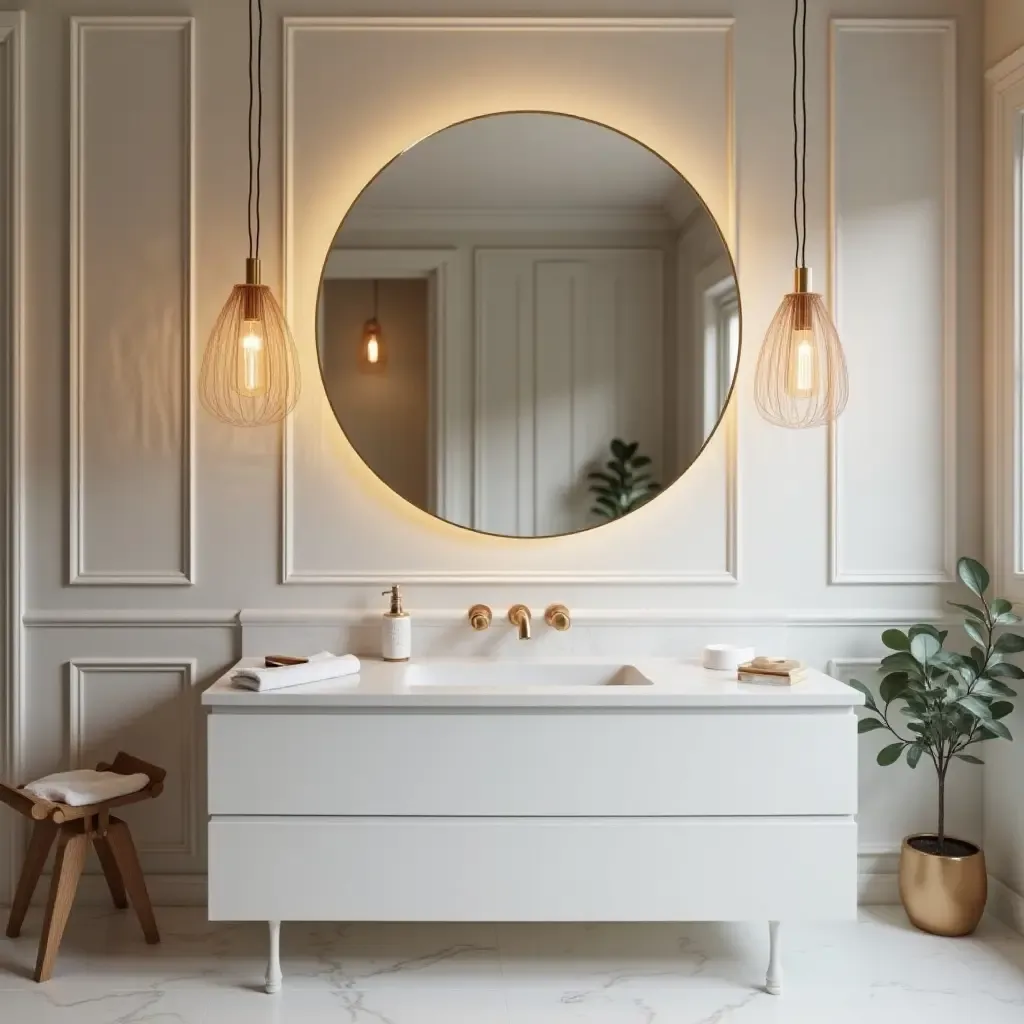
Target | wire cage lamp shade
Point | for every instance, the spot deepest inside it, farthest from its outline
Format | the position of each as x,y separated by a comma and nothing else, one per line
250,372
801,378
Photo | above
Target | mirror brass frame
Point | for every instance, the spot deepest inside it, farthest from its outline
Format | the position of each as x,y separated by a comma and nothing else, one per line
703,205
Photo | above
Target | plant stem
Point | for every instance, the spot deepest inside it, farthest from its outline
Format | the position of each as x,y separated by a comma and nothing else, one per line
942,809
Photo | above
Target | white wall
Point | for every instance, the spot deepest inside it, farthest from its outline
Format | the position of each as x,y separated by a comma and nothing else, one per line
194,521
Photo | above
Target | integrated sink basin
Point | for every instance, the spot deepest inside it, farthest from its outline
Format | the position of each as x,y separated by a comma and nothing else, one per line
522,674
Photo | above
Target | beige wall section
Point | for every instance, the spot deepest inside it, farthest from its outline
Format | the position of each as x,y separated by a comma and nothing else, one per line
384,412
1004,29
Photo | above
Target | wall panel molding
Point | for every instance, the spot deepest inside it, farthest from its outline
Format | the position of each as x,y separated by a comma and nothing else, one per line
291,573
79,572
1004,332
842,570
12,431
79,671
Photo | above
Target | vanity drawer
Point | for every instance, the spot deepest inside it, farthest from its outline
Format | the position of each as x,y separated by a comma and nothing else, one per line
541,869
616,764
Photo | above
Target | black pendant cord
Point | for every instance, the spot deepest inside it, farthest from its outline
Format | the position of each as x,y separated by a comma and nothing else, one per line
800,130
255,125
803,162
259,115
248,140
796,136
375,284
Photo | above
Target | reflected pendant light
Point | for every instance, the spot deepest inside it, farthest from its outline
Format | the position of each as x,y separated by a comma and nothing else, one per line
801,378
372,351
250,372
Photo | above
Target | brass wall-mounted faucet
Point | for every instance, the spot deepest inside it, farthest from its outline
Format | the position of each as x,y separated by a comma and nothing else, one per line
479,617
557,617
519,615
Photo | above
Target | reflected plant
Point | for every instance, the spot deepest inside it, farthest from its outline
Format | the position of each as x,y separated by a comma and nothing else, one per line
951,702
623,485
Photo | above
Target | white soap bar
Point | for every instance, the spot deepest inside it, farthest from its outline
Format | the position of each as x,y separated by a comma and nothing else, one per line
725,657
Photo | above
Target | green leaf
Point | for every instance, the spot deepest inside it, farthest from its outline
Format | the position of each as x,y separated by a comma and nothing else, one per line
896,640
893,686
925,627
969,758
642,460
997,729
974,630
901,661
975,613
976,706
1007,669
924,646
1000,709
1007,619
974,575
861,688
890,754
1000,606
869,725
914,752
1009,643
992,688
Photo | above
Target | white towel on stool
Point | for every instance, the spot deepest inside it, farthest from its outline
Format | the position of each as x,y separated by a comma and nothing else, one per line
85,786
320,666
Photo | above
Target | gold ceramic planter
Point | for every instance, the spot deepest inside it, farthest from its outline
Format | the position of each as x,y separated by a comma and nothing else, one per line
944,895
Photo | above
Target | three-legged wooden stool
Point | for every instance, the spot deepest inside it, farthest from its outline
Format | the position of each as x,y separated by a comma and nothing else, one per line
74,828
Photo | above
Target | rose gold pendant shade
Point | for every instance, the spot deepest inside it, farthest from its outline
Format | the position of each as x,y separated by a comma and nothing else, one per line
250,372
801,378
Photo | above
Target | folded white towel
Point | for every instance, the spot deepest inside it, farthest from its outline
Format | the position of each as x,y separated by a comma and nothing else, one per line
320,666
86,786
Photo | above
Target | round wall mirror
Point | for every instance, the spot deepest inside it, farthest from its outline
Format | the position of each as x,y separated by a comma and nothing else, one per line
528,324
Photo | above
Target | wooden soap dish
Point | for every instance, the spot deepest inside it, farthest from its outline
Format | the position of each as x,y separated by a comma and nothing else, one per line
280,660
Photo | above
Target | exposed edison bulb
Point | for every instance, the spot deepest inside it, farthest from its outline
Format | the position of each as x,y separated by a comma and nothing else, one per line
252,369
373,353
802,369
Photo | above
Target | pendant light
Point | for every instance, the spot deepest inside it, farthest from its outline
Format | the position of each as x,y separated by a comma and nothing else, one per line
250,372
372,351
801,378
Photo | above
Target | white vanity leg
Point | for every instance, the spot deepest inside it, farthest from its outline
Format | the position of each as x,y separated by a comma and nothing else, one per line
773,980
274,963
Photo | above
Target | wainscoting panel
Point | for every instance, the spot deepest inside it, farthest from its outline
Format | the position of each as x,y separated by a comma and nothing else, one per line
681,67
894,210
145,704
12,335
131,310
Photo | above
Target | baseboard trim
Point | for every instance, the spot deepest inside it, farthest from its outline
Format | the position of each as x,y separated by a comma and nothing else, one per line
164,890
1006,904
877,884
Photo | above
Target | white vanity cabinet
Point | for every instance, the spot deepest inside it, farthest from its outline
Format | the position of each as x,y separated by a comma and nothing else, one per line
693,798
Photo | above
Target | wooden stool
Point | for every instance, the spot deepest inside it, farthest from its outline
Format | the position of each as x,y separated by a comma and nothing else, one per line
74,828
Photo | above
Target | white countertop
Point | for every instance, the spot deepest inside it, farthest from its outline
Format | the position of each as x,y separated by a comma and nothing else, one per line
674,683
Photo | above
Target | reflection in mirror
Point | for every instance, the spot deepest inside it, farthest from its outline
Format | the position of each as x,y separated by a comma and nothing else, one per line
528,324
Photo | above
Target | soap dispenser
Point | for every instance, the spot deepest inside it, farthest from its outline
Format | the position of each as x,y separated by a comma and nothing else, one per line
396,629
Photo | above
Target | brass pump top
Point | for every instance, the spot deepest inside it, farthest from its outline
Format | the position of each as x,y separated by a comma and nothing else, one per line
396,600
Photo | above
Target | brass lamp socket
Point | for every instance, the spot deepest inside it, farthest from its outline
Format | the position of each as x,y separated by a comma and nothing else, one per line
251,303
557,617
480,617
802,319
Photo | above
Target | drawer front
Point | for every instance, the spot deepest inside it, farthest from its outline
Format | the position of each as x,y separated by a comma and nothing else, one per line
563,764
547,869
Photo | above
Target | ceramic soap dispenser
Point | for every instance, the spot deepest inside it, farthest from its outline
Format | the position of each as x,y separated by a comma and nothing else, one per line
396,629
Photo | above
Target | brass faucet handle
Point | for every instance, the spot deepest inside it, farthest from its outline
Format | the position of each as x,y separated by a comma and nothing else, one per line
519,615
557,617
479,617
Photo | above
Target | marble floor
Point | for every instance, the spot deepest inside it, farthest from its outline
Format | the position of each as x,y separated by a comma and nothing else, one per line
878,970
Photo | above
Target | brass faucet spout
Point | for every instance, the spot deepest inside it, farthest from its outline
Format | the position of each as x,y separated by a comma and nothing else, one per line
519,615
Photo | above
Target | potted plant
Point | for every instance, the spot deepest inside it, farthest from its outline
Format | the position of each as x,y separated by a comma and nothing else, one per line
623,485
949,704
